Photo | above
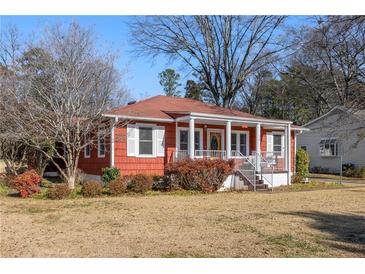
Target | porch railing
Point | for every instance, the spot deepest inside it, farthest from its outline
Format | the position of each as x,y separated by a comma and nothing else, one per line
199,154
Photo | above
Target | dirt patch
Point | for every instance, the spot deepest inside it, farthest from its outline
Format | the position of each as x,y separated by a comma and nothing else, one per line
321,223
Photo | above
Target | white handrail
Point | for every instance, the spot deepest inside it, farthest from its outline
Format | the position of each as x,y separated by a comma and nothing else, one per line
254,169
263,160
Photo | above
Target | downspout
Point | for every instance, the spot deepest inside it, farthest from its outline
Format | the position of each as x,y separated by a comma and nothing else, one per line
112,147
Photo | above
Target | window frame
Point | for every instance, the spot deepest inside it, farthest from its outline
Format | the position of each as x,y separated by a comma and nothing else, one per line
328,141
101,130
282,141
86,140
179,129
238,141
153,141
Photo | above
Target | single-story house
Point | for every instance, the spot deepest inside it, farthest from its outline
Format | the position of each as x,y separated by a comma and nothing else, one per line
164,129
339,132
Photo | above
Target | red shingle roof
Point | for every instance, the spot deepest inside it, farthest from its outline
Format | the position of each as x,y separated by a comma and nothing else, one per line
167,107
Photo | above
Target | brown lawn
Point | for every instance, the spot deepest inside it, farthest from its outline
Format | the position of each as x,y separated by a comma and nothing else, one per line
320,223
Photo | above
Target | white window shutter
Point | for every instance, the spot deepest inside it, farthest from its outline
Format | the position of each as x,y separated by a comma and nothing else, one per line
131,140
160,141
283,145
269,142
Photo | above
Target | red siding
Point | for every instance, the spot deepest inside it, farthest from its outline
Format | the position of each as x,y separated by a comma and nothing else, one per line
155,166
94,165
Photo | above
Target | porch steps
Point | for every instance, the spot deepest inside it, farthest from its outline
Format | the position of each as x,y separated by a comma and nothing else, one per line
247,177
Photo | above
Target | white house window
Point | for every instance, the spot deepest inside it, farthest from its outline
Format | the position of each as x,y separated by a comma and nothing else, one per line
277,146
328,147
184,139
87,148
239,142
146,141
101,142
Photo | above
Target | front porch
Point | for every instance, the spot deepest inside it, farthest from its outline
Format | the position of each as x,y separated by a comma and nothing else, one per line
259,147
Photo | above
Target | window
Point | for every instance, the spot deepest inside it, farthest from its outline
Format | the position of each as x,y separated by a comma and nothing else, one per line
184,139
145,141
101,142
328,147
243,144
277,143
234,141
87,148
239,142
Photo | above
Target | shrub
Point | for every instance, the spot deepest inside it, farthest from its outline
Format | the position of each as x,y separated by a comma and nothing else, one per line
140,183
110,174
296,179
46,183
27,183
91,189
302,164
163,183
118,186
58,192
201,175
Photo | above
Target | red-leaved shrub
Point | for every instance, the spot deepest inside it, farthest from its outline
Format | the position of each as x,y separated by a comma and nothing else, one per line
118,186
140,183
27,183
91,189
201,175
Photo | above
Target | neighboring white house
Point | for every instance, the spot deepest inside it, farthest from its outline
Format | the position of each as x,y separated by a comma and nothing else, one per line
338,132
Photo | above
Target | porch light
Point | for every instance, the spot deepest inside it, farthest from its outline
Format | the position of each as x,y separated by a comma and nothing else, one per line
244,126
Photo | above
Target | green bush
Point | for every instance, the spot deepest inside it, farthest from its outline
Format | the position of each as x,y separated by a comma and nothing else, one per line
58,192
110,174
201,175
139,183
302,164
91,189
118,186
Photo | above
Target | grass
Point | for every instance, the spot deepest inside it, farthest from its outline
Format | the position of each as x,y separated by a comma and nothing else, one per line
316,223
312,185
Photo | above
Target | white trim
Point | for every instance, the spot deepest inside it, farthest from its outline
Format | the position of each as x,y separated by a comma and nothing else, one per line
101,129
283,144
112,144
236,118
136,118
219,130
238,140
85,140
187,129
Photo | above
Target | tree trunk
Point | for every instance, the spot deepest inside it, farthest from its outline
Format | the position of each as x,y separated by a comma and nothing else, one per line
71,181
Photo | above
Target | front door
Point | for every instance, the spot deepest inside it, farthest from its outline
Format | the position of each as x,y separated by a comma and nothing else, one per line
215,141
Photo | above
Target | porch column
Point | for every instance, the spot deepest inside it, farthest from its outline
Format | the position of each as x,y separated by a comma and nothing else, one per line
191,138
228,139
258,147
287,153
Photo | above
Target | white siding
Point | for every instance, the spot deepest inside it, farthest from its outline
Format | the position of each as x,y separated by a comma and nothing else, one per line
328,127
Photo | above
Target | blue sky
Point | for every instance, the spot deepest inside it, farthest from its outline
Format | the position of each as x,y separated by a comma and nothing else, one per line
141,76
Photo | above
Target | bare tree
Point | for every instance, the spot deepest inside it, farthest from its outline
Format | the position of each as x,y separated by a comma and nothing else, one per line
223,50
331,61
59,103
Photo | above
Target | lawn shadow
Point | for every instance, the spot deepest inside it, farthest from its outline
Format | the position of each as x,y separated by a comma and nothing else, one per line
347,231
